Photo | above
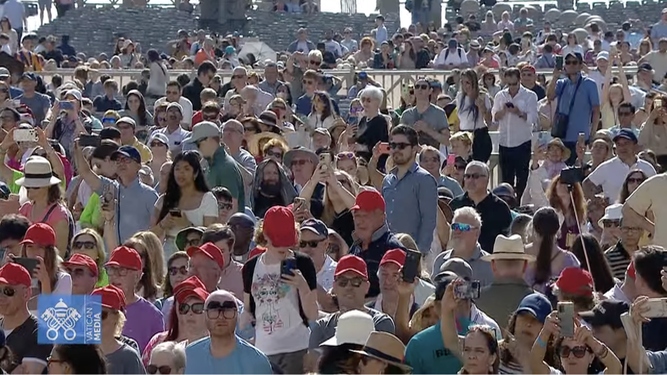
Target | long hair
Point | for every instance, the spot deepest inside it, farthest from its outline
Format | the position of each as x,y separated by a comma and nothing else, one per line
410,53
83,359
339,359
172,324
577,194
546,224
141,111
328,105
55,194
51,261
167,288
153,247
491,343
149,279
470,75
625,193
599,267
99,244
550,357
328,213
173,193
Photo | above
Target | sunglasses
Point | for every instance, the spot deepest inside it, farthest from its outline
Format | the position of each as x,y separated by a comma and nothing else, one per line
611,223
277,155
156,144
300,162
308,82
577,351
398,145
224,206
462,227
311,244
215,309
355,282
473,176
83,245
108,120
423,86
152,369
9,292
315,62
183,270
635,180
197,308
345,155
571,62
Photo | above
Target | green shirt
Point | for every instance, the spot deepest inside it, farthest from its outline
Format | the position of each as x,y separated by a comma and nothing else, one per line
91,217
223,171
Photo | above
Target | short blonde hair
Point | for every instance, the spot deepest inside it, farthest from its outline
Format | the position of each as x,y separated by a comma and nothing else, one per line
464,137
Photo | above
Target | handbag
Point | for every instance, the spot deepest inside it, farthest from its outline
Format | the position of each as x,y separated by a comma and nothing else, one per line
562,120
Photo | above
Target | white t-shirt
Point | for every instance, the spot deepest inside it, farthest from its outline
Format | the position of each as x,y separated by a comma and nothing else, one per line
325,278
611,174
207,208
175,139
457,57
187,109
279,327
466,119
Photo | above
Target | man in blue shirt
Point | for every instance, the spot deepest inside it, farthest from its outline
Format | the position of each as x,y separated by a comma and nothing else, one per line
659,30
381,33
410,191
577,99
223,352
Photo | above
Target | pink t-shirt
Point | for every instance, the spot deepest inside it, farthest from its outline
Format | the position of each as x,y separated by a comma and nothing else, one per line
58,214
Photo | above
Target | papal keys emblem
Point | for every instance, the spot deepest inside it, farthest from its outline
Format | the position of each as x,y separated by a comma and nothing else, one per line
61,317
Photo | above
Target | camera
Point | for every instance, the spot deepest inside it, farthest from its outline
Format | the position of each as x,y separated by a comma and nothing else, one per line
572,175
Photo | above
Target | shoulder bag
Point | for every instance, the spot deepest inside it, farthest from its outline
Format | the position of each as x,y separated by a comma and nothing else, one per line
562,120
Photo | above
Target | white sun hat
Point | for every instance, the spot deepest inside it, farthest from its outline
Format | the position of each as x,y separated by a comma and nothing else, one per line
354,327
37,173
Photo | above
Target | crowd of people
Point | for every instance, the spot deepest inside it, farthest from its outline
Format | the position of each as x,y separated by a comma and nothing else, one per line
231,227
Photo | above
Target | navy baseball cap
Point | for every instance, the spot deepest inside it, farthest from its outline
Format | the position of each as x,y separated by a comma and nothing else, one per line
363,75
316,226
606,313
129,152
626,134
537,305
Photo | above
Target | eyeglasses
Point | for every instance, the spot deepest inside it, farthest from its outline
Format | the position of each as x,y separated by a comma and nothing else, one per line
462,227
423,86
571,62
611,223
152,369
224,206
277,155
635,180
355,282
116,271
398,145
183,270
473,176
83,245
197,308
9,292
312,244
300,162
578,351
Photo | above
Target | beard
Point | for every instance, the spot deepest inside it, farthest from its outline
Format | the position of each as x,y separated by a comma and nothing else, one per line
270,188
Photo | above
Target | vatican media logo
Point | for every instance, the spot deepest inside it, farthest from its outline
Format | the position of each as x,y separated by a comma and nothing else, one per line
69,319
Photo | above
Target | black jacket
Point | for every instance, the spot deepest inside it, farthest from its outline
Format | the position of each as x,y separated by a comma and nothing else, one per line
192,92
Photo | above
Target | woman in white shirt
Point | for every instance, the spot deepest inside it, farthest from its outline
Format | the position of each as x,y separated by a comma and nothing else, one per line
474,110
187,202
572,46
157,83
6,28
322,114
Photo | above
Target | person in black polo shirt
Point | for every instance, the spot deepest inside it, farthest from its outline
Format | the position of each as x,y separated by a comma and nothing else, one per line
373,235
495,213
19,325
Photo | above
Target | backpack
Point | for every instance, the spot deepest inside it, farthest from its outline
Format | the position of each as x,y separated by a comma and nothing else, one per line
457,50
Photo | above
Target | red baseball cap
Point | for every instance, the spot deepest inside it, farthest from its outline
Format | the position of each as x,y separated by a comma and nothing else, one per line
396,256
112,297
210,250
576,281
352,263
528,67
279,227
14,274
40,234
369,200
125,257
190,287
82,260
256,251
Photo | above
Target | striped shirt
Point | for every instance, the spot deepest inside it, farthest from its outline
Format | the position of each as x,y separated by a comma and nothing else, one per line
618,259
510,367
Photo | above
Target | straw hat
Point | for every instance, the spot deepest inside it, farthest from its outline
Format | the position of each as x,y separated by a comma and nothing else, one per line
37,173
385,347
354,327
508,248
559,143
258,140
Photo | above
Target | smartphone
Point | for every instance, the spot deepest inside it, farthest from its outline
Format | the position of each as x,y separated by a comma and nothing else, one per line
451,159
543,138
175,212
411,266
299,203
287,265
566,316
28,263
509,105
86,140
384,148
657,103
66,105
25,135
325,159
582,137
657,308
559,62
16,102
468,290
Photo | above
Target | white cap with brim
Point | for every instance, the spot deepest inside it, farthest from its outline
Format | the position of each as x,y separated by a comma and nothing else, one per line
202,130
354,327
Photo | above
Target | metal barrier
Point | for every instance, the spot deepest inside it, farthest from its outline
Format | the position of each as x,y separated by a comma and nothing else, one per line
390,80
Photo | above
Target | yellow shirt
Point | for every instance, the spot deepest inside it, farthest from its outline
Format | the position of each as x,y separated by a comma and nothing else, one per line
146,154
650,196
